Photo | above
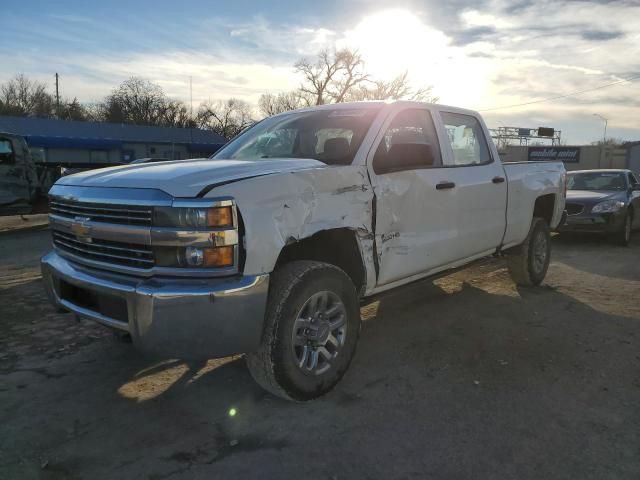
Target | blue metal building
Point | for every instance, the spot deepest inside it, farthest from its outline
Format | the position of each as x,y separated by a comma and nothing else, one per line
68,142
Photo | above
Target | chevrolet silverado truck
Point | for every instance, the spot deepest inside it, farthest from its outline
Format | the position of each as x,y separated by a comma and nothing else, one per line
267,247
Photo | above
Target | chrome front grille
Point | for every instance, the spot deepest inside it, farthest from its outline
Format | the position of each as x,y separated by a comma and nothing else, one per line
99,212
130,255
114,229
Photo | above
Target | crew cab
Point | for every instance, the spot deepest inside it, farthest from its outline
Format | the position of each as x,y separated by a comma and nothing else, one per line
268,247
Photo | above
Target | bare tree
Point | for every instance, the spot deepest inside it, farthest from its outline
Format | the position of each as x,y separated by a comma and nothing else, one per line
137,101
226,118
73,110
142,102
398,88
350,74
341,76
24,97
609,142
176,114
271,104
331,76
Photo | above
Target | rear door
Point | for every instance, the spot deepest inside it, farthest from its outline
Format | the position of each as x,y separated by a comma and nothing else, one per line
476,177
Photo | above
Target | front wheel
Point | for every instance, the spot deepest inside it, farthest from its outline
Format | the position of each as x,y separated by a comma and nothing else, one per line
528,263
623,237
311,330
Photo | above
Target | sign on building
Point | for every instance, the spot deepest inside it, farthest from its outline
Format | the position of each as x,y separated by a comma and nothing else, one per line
563,154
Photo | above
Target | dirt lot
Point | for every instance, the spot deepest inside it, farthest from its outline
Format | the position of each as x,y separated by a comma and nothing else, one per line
464,377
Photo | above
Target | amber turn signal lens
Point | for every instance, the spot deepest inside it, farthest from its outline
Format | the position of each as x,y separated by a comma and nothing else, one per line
220,217
218,257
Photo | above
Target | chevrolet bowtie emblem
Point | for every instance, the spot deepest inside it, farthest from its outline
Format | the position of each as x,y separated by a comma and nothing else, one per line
80,229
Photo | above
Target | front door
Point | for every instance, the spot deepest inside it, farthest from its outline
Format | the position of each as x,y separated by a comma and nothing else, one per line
415,212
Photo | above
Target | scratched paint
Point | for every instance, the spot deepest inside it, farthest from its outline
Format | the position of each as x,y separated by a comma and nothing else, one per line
279,209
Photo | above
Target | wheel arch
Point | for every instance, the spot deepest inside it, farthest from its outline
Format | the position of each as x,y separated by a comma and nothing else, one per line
544,207
338,246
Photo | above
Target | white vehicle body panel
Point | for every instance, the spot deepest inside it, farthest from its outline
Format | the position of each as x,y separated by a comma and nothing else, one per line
528,181
185,178
278,210
405,228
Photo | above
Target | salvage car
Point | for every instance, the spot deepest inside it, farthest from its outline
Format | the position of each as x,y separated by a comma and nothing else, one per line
268,247
603,201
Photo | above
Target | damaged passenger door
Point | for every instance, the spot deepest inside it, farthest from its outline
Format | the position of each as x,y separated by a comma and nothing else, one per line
415,207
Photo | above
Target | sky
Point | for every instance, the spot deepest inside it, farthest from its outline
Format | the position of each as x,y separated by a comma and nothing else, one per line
486,55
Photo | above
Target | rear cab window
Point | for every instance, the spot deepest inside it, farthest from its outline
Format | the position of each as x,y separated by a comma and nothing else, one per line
466,139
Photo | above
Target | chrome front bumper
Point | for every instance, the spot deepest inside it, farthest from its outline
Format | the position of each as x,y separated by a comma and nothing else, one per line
176,317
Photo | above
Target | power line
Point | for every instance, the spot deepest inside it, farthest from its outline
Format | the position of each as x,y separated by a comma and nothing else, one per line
579,92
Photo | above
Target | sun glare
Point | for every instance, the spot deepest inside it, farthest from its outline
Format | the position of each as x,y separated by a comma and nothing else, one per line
392,41
397,40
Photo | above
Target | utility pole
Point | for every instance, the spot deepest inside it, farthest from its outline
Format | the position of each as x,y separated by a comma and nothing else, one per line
191,95
606,121
191,108
57,97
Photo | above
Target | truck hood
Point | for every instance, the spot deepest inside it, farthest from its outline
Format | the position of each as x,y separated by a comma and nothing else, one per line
186,178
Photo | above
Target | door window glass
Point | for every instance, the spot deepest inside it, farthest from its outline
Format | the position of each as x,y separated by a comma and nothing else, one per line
467,140
409,143
6,151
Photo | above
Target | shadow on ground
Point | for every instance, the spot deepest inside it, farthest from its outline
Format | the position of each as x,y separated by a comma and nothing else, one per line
598,255
464,377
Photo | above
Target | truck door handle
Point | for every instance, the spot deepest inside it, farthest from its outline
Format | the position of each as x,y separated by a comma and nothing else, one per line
497,179
445,185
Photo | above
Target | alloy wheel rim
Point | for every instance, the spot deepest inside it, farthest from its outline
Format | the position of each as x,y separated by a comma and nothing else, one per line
319,333
539,252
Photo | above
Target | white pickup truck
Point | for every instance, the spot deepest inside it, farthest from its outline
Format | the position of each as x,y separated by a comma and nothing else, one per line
268,247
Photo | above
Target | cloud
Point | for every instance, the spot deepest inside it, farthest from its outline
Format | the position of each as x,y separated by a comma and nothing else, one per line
601,35
474,34
476,54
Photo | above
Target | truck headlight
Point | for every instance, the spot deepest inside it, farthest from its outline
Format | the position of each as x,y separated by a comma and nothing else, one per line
195,257
193,217
608,206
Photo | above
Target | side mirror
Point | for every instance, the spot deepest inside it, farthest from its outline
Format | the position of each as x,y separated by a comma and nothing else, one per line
403,156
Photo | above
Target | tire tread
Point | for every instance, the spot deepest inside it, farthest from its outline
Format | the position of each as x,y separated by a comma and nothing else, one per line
283,281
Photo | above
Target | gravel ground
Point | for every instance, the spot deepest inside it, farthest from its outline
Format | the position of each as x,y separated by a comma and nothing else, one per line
462,377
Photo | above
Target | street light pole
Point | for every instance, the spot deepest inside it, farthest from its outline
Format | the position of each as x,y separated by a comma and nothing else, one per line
606,121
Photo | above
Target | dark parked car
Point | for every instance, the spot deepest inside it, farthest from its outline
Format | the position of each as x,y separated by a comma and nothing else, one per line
603,201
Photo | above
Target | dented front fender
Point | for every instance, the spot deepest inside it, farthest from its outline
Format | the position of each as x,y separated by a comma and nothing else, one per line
283,208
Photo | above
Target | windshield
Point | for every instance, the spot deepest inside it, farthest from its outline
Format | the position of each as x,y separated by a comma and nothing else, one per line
596,181
331,136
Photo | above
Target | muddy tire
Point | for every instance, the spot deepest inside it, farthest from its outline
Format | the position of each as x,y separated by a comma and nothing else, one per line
528,263
312,325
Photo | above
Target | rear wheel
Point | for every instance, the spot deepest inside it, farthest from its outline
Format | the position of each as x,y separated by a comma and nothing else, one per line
312,326
528,263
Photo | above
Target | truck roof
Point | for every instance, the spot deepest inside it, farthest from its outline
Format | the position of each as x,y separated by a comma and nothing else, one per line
378,104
